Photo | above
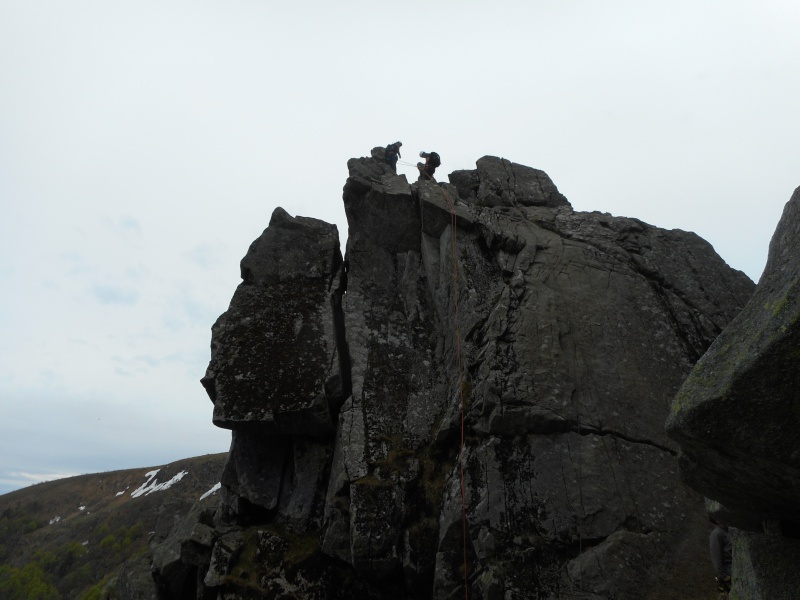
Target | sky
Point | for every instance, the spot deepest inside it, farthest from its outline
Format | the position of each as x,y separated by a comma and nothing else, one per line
144,146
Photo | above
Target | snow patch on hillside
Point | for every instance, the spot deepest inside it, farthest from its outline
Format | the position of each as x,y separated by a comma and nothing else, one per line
213,490
152,485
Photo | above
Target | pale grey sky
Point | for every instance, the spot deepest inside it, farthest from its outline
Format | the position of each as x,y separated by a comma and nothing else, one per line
144,145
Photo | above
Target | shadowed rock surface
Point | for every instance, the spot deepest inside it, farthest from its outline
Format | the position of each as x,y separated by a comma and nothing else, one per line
344,384
737,419
280,316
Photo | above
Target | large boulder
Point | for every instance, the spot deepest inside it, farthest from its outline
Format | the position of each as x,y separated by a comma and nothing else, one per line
274,353
736,419
765,567
499,182
737,416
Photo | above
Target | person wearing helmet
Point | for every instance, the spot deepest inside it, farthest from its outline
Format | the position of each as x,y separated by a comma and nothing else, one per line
392,153
428,168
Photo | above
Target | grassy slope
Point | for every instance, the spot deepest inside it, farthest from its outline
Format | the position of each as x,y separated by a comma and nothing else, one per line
85,546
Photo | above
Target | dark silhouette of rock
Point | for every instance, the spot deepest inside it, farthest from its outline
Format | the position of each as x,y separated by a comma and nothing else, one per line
765,566
274,350
737,418
498,182
573,333
181,561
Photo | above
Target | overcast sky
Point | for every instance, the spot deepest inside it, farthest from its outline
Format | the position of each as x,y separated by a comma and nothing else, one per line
144,145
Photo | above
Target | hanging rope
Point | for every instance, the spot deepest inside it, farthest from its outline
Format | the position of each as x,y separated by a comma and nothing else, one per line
454,256
461,386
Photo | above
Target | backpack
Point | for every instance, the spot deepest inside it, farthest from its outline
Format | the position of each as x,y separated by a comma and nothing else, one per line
435,161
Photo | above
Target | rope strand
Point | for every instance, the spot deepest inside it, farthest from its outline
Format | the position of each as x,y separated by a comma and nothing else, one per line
454,253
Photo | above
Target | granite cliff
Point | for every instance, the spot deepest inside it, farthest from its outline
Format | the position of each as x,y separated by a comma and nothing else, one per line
472,399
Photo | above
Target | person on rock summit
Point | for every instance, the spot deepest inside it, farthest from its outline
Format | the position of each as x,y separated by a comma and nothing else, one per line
392,153
428,168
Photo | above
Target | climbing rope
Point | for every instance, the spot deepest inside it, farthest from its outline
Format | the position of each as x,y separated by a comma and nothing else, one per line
454,255
461,386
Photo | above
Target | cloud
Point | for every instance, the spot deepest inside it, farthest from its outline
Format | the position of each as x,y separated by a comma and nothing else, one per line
130,225
206,255
12,480
76,265
148,360
126,225
46,436
137,365
141,187
113,294
187,308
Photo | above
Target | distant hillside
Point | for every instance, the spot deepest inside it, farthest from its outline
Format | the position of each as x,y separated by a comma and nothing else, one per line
68,538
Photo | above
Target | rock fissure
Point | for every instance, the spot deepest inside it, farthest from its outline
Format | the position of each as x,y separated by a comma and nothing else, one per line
584,430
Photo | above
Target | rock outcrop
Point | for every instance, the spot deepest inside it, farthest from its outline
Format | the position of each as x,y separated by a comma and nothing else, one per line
474,397
737,418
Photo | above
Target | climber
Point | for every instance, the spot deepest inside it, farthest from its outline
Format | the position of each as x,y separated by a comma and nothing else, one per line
392,153
427,168
719,542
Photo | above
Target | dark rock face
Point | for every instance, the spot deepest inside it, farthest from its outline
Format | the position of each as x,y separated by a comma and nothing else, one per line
181,561
737,419
274,353
737,416
498,182
765,567
135,580
531,422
